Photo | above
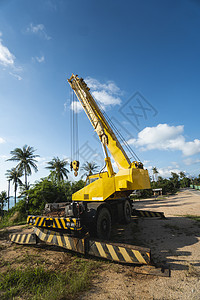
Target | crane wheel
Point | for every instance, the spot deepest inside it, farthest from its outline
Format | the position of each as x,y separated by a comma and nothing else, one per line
103,224
127,211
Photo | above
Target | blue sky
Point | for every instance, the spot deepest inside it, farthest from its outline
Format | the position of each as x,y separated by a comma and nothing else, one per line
133,55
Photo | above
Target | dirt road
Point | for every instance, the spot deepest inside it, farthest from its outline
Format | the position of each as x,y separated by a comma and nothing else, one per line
175,241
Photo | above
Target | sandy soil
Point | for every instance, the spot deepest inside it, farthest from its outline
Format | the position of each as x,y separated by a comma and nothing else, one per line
174,240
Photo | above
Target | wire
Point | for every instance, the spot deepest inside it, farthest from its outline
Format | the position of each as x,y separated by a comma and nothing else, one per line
71,139
74,139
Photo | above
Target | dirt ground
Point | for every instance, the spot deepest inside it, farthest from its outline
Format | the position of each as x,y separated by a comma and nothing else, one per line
174,241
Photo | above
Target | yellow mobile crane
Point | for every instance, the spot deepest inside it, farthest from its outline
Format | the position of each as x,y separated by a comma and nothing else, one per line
103,201
105,198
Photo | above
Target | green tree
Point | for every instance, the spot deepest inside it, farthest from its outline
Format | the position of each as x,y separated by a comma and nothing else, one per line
14,175
3,199
175,180
26,159
77,185
196,180
89,168
182,175
58,169
155,173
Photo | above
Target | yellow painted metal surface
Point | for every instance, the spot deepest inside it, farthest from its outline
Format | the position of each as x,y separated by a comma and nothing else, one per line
104,187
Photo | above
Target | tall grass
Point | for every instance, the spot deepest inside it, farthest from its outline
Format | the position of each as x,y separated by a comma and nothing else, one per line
38,283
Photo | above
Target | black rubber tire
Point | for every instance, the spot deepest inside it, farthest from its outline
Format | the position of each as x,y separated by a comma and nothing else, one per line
127,212
103,224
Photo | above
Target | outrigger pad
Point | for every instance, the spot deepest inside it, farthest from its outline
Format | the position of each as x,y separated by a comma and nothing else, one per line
60,239
112,251
119,252
26,238
148,214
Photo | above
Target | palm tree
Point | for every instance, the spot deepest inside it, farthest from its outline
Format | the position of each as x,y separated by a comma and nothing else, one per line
26,159
14,175
58,168
9,193
155,172
3,199
89,168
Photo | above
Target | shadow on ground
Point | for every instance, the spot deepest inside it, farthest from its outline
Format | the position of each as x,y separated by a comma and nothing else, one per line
170,239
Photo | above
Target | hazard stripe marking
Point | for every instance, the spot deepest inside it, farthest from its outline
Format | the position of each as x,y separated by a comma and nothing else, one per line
28,238
59,239
112,252
50,237
17,239
100,249
139,256
148,214
63,223
23,238
68,245
40,221
125,255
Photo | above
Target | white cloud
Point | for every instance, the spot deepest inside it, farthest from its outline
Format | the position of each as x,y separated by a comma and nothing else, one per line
39,59
2,141
166,172
39,30
190,161
110,86
76,106
165,137
15,75
106,93
6,57
106,98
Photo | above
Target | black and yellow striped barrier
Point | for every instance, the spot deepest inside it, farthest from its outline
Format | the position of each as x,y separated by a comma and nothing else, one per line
56,223
25,238
60,239
148,214
120,252
111,251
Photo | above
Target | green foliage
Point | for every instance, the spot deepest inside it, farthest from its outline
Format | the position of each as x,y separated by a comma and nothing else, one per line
26,160
185,182
89,168
196,180
14,175
58,169
42,192
16,215
49,191
39,283
77,185
166,185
